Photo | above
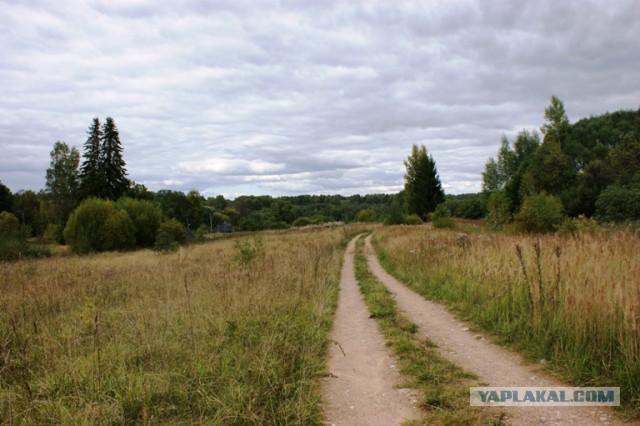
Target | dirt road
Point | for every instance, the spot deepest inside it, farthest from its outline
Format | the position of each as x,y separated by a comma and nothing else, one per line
360,388
491,363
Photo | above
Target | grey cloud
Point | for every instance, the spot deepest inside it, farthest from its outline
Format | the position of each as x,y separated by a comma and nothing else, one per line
333,92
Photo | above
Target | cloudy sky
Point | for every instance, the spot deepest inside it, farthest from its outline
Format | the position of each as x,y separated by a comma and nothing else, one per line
302,96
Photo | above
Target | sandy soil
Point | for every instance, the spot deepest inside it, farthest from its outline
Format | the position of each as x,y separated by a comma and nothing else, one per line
494,365
359,389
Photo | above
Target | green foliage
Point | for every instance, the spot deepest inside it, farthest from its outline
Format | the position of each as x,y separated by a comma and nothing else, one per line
119,233
15,249
498,210
5,198
112,169
282,211
175,229
422,183
557,125
26,207
302,221
246,253
576,225
413,219
12,240
91,177
9,225
53,233
366,215
619,203
202,232
574,162
396,212
99,225
441,217
195,209
467,206
540,213
146,217
63,180
103,173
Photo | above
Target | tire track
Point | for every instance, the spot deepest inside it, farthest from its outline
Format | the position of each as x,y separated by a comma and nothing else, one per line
359,389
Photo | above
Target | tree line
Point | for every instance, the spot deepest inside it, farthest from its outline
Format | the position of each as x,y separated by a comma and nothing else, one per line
589,169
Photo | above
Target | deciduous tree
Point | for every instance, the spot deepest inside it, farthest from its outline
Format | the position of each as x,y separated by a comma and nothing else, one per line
63,181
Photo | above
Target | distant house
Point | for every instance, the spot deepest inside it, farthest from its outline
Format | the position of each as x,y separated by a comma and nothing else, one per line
224,227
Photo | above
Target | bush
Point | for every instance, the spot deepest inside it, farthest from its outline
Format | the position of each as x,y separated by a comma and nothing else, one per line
441,218
618,203
14,249
302,221
146,217
202,232
498,212
9,225
540,213
366,215
170,235
53,233
413,219
98,225
575,225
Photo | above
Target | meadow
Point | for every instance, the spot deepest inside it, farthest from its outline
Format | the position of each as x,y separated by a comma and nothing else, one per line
571,303
232,331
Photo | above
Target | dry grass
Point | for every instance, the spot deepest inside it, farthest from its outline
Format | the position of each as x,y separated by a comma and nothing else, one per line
573,301
200,336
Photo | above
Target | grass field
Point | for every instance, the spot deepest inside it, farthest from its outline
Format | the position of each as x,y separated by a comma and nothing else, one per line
571,302
228,332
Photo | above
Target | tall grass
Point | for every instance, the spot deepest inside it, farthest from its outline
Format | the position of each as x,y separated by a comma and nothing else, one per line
189,337
573,301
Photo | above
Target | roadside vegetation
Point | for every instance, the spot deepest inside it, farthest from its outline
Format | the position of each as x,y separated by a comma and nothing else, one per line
442,387
231,331
571,302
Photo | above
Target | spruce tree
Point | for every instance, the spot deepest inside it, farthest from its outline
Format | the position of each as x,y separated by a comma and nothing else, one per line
422,184
91,175
113,165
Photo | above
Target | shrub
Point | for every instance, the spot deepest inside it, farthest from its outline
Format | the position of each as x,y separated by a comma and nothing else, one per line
540,213
202,232
366,215
53,233
498,212
9,225
14,249
441,217
575,225
302,221
618,203
170,235
98,225
146,217
413,219
119,232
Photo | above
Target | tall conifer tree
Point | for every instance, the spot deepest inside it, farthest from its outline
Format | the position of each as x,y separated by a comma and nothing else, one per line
113,165
422,184
91,175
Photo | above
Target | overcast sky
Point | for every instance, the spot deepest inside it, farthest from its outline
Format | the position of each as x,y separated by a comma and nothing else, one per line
302,97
